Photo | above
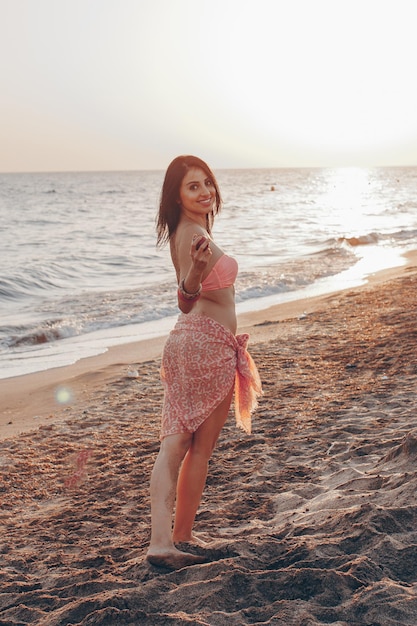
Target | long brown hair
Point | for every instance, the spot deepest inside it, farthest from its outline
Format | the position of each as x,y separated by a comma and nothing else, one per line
169,207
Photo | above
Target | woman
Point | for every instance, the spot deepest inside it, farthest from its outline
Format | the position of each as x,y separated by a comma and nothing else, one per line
203,361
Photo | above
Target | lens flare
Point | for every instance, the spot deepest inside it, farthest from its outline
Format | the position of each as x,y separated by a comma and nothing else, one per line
63,395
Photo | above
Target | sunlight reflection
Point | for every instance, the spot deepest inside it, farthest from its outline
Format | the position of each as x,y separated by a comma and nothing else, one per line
344,199
373,259
349,205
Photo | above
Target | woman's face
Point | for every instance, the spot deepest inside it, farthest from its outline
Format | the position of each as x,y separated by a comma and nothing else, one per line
197,193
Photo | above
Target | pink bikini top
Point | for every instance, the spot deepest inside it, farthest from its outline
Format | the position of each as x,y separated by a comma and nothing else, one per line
223,274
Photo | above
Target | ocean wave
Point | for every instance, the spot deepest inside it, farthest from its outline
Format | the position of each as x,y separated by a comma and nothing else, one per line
113,191
403,207
26,281
360,240
88,312
375,238
404,235
294,274
8,291
47,332
20,287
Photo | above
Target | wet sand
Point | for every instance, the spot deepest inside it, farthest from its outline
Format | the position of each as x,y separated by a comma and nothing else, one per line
312,519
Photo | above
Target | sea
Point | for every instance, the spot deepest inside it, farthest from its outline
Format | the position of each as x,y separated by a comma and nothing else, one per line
80,270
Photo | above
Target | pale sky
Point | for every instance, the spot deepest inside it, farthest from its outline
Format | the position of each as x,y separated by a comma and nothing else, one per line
130,84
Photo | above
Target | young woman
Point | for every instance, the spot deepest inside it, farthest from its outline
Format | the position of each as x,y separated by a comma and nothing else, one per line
203,360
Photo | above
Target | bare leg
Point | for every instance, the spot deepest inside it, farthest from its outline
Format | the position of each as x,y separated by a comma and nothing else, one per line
162,551
163,485
193,473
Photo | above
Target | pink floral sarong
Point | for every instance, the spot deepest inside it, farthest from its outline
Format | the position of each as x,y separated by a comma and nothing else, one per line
201,362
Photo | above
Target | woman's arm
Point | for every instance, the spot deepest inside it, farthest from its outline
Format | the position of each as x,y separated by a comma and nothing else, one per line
193,255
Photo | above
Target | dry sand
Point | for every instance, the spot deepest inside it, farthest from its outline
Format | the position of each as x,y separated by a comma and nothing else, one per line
313,518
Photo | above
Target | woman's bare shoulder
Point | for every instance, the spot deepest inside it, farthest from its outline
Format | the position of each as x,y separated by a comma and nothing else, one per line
188,229
185,233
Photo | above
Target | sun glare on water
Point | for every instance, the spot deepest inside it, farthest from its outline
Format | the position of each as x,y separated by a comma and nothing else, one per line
348,207
344,200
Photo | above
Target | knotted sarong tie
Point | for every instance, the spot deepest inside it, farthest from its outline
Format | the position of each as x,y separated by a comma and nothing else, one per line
247,384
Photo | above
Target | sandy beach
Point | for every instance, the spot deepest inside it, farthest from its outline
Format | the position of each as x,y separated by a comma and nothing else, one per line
311,520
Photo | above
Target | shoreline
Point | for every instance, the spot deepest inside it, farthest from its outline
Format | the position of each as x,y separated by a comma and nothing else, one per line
69,350
32,400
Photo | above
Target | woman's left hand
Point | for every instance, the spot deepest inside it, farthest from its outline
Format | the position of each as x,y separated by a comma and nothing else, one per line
200,252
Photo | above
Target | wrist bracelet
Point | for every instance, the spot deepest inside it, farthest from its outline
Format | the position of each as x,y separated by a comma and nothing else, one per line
185,295
184,299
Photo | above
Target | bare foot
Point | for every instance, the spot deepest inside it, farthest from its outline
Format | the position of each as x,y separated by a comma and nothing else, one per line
174,559
194,540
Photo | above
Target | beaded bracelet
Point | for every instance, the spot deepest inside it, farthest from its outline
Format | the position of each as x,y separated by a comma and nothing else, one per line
185,296
184,299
